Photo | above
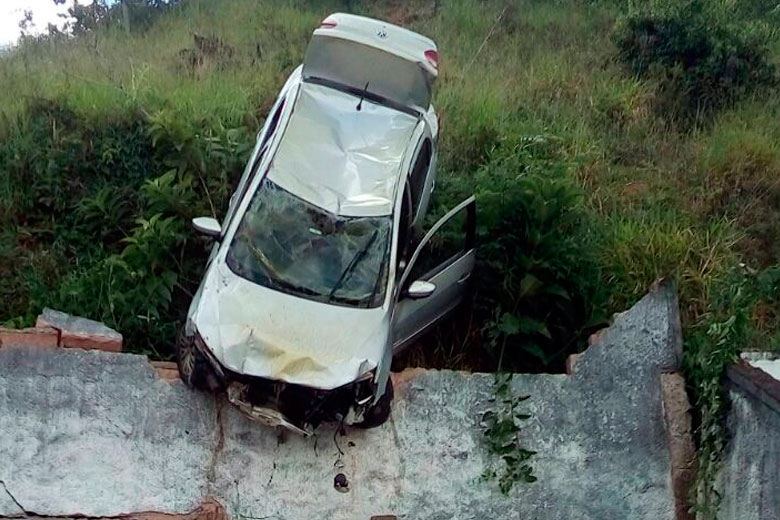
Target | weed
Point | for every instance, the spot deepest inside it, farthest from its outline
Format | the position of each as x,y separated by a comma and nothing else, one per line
502,426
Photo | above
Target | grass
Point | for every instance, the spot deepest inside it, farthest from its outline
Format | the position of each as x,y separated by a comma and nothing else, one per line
536,82
660,199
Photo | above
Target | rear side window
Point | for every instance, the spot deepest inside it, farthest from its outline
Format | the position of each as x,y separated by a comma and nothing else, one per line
419,174
273,124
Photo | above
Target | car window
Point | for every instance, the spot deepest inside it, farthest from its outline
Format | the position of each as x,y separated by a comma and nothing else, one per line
273,124
353,64
404,248
444,247
419,173
287,244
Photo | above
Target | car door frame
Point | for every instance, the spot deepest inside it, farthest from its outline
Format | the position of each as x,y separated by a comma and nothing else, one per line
457,269
265,137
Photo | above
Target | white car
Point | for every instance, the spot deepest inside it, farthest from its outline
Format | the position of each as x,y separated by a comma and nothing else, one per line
318,275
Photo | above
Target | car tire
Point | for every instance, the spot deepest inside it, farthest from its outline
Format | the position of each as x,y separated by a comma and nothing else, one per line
194,369
378,414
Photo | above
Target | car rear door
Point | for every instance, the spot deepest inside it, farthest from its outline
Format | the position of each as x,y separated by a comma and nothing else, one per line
444,257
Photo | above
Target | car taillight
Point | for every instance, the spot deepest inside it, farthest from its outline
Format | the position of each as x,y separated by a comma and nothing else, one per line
433,58
328,24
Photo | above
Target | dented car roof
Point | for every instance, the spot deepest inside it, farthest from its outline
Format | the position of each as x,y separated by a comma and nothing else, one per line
345,161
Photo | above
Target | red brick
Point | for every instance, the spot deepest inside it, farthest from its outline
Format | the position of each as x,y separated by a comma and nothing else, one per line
77,332
210,509
596,336
571,361
90,342
682,451
167,370
43,337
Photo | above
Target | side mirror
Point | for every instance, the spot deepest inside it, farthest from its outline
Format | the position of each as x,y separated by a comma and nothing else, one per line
207,226
420,289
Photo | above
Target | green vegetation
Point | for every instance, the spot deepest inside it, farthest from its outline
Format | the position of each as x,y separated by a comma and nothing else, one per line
502,435
701,59
609,144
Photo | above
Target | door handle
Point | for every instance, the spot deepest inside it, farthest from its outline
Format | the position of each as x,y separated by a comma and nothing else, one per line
463,279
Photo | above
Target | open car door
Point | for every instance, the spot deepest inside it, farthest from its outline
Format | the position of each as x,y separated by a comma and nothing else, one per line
436,278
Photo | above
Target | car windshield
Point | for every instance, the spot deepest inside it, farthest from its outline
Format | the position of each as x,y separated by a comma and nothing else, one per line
290,245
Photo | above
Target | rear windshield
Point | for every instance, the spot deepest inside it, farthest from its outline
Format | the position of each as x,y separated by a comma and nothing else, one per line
353,65
287,244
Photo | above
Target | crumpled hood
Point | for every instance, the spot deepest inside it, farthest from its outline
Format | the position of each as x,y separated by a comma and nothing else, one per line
257,331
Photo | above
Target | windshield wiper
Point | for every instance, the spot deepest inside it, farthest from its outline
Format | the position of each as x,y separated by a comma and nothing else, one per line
362,97
353,263
378,281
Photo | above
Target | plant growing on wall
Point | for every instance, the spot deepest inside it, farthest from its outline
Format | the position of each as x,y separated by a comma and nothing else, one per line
509,463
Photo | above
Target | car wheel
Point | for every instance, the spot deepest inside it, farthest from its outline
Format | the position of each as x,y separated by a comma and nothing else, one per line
378,414
194,369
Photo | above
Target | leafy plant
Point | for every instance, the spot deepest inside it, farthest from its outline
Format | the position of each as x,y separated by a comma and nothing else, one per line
534,259
502,427
132,290
172,193
106,212
710,346
210,153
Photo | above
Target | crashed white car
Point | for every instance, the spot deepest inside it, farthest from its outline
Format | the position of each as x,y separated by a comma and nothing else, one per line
319,274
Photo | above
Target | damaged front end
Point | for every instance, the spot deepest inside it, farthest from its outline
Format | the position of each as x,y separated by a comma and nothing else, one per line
300,408
296,407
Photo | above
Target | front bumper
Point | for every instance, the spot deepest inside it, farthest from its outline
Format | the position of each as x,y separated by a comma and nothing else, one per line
295,407
237,395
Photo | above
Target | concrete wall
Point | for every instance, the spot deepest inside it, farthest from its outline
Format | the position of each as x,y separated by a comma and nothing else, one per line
750,479
98,434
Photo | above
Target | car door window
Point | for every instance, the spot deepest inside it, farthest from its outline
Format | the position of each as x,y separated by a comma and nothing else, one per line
272,124
419,173
404,248
449,242
445,258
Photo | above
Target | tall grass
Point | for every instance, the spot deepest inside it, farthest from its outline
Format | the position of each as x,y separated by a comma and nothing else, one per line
557,114
657,199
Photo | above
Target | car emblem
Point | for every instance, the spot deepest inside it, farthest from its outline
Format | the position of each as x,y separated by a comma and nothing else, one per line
382,33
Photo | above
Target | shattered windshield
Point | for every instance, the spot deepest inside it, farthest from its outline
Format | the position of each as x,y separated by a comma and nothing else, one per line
290,245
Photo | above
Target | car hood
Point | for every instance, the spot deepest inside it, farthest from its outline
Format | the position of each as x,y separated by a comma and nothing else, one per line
257,331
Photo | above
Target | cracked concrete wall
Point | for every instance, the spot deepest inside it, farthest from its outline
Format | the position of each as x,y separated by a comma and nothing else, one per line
750,478
96,434
8,504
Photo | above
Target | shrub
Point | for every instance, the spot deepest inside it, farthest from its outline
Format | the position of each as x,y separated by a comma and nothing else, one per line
93,227
701,61
536,271
711,344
